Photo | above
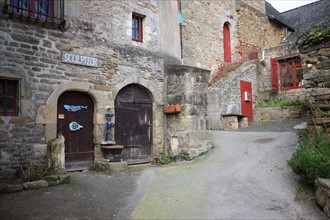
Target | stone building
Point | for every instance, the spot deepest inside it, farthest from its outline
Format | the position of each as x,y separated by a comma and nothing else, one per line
78,67
65,65
278,71
283,71
214,32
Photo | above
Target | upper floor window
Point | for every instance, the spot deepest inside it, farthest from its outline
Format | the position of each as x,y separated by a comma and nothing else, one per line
36,8
49,12
8,97
287,73
137,27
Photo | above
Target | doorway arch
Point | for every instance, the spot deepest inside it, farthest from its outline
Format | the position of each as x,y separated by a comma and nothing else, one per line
133,125
226,43
75,112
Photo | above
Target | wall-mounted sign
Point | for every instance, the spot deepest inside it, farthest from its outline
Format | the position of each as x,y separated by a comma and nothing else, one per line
80,59
74,126
60,116
74,108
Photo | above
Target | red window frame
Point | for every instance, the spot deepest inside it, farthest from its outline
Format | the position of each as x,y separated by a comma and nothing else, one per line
8,97
41,9
137,27
287,73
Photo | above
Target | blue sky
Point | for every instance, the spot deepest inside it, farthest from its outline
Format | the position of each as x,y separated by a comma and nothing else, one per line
285,5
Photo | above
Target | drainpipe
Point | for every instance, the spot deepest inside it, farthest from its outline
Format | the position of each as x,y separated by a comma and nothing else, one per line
286,33
181,44
180,24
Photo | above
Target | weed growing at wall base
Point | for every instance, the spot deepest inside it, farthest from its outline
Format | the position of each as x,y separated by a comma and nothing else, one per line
279,103
312,159
163,159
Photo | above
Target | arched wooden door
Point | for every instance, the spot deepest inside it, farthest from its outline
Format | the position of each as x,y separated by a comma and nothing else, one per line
133,125
226,43
75,120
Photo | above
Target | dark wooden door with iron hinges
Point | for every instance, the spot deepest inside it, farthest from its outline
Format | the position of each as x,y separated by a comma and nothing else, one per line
75,120
133,124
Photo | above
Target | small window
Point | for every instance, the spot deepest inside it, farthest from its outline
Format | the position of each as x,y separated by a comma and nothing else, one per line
8,97
137,27
289,73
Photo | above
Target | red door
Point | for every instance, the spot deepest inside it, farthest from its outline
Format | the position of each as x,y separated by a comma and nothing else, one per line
246,99
226,43
75,120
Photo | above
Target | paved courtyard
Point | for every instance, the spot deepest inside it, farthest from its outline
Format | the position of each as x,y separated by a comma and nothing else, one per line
245,176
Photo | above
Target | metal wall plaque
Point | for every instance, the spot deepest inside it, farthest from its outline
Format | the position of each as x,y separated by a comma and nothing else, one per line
74,108
80,59
74,126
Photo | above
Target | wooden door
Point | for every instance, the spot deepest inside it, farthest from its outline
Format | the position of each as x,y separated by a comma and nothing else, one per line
226,43
246,99
75,120
133,125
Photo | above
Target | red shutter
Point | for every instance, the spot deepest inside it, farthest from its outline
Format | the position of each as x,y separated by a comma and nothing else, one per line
226,43
273,65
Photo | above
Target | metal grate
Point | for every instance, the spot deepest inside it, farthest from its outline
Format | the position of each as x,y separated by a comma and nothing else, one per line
44,12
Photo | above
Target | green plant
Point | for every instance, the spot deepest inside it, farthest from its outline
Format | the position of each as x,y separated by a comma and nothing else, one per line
318,34
279,103
185,156
163,159
96,166
203,153
312,159
32,172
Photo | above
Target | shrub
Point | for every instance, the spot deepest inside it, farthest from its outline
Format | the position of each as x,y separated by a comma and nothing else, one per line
312,159
32,172
96,167
318,34
163,159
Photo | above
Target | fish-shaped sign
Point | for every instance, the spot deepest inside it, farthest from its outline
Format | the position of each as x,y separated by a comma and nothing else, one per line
74,126
74,108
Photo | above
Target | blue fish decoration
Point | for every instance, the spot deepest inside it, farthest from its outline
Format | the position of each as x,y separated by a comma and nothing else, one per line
74,108
74,126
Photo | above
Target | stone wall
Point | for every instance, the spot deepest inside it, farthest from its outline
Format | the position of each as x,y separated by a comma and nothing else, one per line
224,96
254,27
102,29
316,66
278,113
202,31
256,4
265,91
187,131
323,194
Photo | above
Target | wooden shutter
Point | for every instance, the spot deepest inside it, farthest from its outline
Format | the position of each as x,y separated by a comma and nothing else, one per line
273,64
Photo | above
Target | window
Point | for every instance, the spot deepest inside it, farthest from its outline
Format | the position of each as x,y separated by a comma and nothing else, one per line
287,73
8,97
137,27
45,11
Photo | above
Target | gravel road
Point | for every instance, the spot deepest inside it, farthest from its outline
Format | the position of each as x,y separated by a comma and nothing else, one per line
245,176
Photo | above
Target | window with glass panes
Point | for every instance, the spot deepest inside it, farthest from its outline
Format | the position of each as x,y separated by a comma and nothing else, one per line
288,71
8,97
43,9
137,27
